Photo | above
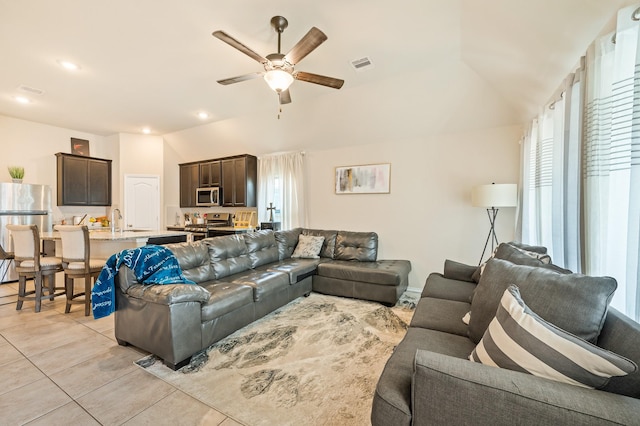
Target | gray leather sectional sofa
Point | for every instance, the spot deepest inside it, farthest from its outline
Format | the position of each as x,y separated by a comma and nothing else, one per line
242,278
429,380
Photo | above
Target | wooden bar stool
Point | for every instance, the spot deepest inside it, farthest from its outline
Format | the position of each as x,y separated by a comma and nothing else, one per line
6,257
30,264
77,263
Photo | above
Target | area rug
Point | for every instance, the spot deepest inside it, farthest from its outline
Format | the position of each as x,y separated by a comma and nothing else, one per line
315,361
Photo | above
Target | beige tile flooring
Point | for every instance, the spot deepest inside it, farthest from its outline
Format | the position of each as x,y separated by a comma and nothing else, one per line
58,368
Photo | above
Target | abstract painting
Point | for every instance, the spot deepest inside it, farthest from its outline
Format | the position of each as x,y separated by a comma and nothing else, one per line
367,179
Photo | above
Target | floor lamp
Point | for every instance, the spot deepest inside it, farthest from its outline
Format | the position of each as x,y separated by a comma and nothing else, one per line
491,197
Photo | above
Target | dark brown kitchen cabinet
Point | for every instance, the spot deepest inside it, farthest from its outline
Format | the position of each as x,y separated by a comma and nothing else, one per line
210,174
83,181
189,182
239,180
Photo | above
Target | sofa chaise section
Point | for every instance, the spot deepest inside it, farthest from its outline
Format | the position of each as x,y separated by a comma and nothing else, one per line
380,281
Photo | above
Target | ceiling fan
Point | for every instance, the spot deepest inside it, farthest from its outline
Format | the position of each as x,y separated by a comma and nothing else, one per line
279,70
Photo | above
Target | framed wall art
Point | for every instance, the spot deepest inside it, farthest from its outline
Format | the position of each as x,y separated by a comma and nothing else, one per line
80,147
366,179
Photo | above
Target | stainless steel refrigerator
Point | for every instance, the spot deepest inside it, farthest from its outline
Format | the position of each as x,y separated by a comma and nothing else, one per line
22,204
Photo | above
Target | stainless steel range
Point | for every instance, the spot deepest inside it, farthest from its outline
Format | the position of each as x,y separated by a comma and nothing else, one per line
211,222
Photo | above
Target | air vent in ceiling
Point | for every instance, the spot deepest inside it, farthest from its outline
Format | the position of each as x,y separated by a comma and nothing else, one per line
30,90
362,64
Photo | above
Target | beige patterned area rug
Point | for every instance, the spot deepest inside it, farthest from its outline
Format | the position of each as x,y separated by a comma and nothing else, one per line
315,361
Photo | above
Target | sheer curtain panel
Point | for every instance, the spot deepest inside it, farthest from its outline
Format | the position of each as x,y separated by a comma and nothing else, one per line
612,161
551,177
281,182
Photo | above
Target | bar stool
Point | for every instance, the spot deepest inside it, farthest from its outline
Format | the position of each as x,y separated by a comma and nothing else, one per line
30,264
6,257
77,263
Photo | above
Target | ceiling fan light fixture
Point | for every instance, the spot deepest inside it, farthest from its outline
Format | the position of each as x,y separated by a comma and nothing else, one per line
278,80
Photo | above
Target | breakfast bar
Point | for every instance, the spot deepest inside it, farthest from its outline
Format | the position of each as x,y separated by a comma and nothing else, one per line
104,243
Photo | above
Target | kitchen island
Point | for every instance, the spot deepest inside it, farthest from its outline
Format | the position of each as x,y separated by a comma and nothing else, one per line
104,243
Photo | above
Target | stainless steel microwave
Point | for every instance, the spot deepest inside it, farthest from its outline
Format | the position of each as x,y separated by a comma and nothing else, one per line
208,196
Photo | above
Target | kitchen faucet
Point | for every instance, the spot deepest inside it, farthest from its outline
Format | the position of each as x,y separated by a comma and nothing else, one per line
113,219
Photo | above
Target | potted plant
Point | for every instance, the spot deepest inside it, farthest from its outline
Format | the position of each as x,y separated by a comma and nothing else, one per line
16,173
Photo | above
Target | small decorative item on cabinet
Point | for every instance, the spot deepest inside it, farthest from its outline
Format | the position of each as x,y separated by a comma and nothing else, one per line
80,147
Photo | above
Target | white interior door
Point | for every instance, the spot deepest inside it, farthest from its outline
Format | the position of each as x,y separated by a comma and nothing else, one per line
141,202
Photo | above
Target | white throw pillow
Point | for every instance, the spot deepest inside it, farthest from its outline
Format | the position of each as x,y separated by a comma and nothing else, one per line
518,339
308,247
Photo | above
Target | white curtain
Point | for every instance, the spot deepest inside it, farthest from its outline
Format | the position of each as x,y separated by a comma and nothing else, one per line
550,214
281,185
612,161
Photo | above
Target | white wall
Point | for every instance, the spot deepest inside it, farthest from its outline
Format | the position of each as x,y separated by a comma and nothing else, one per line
139,155
33,146
428,216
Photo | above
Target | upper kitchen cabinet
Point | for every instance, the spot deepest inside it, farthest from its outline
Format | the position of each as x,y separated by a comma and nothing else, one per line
239,180
189,182
83,181
210,174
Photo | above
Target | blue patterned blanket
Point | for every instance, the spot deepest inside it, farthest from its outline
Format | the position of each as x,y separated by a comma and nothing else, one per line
151,265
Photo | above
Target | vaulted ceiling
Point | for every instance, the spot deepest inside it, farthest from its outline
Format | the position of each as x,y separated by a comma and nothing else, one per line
154,62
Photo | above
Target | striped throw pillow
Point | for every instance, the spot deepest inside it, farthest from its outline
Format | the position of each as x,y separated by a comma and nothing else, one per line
518,339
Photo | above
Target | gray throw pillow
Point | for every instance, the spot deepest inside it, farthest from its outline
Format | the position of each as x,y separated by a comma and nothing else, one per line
518,339
520,255
574,302
329,245
308,247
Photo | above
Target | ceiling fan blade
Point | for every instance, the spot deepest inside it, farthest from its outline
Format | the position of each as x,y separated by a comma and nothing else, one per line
306,45
336,83
285,97
241,47
240,78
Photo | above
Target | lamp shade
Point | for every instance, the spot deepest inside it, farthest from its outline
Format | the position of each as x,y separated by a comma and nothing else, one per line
278,80
495,195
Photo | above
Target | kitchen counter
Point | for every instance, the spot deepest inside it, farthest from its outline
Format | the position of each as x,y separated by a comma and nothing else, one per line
107,235
104,243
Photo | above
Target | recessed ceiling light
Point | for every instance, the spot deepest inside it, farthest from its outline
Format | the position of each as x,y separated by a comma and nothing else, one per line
22,100
203,115
146,130
69,65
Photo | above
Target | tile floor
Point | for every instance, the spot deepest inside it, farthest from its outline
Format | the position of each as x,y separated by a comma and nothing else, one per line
58,368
